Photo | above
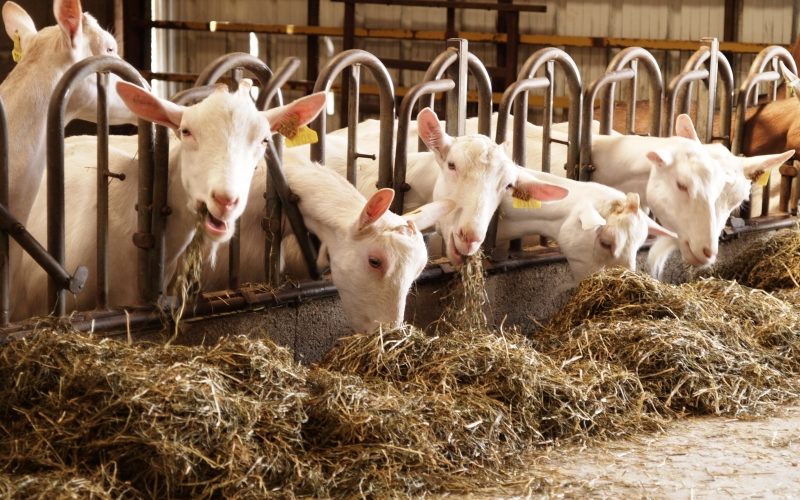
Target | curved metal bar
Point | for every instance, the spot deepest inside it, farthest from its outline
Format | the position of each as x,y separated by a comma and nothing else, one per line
546,57
516,89
483,83
771,55
680,90
55,163
589,96
403,123
624,58
386,90
356,58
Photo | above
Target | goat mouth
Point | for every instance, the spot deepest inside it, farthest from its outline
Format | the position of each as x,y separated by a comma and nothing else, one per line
214,227
456,257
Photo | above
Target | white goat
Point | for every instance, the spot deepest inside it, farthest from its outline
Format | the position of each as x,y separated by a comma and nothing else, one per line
220,142
596,226
46,56
476,173
374,254
686,185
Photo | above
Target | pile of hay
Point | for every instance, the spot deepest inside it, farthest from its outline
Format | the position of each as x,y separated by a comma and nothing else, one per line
711,346
162,421
771,263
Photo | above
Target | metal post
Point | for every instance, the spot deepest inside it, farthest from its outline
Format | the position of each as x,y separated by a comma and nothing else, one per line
102,192
354,77
456,109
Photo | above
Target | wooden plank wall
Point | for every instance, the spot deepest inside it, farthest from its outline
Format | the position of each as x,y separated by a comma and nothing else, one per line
764,21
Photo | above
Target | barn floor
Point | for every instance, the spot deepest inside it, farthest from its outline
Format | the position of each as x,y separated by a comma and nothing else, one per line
702,457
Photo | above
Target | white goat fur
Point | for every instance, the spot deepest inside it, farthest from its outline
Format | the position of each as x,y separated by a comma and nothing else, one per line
374,254
596,226
26,91
221,140
690,187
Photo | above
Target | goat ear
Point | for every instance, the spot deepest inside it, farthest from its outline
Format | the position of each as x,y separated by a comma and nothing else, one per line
656,229
685,128
591,219
537,189
660,158
288,118
755,166
431,133
17,20
427,215
376,206
149,107
70,17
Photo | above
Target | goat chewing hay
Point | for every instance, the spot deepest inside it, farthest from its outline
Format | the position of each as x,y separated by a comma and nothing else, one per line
187,281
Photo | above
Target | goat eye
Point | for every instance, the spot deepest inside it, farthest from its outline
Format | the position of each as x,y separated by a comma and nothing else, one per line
375,263
110,50
682,187
510,186
606,245
185,132
451,165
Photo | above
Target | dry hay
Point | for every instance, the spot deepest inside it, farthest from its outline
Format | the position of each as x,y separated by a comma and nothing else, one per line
770,263
63,484
174,421
466,297
711,346
187,281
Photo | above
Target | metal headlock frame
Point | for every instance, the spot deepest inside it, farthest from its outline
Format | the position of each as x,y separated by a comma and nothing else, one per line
773,56
615,73
516,96
456,62
679,92
57,285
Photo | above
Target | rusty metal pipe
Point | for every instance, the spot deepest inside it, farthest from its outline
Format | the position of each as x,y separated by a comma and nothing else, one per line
5,270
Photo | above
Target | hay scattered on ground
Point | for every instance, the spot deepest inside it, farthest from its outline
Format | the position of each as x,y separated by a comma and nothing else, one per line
770,263
398,413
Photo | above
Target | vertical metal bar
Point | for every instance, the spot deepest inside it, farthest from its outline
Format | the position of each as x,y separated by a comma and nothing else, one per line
549,97
312,41
272,223
160,210
713,71
55,204
102,192
144,208
5,271
354,77
348,42
634,97
456,110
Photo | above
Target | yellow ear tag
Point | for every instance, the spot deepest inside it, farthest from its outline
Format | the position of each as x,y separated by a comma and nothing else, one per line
763,179
529,203
521,199
16,52
303,135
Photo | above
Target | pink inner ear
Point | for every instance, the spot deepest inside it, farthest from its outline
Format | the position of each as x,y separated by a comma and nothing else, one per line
546,192
375,207
69,13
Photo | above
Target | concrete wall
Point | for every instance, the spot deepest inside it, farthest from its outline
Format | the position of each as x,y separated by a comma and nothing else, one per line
522,298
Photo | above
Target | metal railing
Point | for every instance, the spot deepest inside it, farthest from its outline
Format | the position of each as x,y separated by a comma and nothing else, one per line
759,74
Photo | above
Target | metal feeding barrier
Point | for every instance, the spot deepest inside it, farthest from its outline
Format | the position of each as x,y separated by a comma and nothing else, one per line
709,66
764,70
448,74
623,67
516,96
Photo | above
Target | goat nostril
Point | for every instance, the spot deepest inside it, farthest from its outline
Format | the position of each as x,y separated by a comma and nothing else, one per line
707,252
224,201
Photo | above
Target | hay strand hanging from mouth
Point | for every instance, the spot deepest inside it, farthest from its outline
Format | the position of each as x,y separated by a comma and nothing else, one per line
189,276
466,297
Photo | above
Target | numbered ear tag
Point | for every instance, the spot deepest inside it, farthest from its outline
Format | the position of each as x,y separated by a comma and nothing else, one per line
763,179
16,52
521,199
303,135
